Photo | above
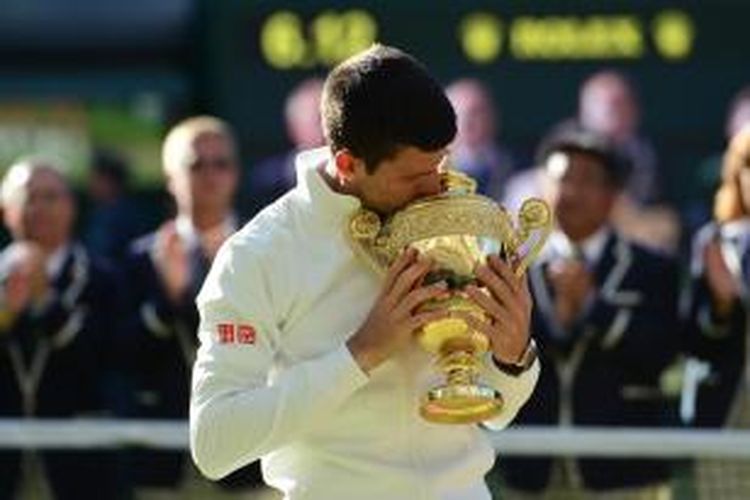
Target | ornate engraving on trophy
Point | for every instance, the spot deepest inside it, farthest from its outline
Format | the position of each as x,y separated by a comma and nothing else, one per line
457,229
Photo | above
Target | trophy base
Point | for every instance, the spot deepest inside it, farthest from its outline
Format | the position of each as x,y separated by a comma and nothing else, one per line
461,404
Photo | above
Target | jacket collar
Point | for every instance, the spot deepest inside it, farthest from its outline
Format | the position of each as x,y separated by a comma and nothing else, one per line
318,197
560,246
609,274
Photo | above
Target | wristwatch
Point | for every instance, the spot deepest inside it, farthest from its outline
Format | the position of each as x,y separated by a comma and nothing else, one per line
524,362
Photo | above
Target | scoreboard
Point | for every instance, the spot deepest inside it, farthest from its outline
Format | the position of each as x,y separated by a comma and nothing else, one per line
290,41
686,57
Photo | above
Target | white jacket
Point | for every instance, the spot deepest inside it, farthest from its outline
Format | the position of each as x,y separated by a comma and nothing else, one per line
287,388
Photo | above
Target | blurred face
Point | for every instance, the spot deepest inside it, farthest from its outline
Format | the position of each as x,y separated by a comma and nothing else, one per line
580,192
409,175
44,212
739,118
474,116
207,179
303,122
744,180
101,188
608,107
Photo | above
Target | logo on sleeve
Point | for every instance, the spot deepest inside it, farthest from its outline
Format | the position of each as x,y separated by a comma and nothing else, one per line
245,334
230,333
226,333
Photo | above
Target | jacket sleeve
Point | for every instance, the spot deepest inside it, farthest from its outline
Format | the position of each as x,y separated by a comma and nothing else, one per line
242,406
150,320
707,336
515,391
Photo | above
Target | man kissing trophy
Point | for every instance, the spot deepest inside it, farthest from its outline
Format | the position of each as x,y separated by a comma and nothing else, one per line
457,229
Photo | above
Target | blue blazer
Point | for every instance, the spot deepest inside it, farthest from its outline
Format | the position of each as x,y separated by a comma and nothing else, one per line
604,370
161,344
58,361
721,344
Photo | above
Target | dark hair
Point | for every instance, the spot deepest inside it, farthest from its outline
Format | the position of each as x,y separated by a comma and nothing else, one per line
572,137
382,99
111,165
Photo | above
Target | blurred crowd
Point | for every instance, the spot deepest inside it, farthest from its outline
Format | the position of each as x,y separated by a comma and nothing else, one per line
641,307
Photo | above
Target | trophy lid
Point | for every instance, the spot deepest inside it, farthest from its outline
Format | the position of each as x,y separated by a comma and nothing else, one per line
455,182
456,227
457,210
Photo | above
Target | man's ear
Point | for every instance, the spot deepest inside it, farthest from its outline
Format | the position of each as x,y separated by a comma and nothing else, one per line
346,164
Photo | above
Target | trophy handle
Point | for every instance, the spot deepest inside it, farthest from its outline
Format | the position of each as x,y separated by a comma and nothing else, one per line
534,222
363,234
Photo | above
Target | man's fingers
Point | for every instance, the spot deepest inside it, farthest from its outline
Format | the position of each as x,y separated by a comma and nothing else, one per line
499,287
509,338
505,271
480,325
408,279
421,319
485,301
526,293
397,267
420,295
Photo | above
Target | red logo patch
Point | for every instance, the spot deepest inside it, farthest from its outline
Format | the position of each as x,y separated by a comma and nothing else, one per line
226,333
245,334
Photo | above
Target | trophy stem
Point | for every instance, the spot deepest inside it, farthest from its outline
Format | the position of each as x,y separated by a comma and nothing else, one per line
461,400
460,368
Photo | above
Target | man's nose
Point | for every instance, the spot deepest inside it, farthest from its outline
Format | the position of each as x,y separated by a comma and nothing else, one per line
443,164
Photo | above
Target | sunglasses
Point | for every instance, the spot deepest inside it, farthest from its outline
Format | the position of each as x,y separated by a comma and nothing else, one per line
218,164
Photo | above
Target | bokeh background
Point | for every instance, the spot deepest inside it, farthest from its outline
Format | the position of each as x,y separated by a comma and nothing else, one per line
84,74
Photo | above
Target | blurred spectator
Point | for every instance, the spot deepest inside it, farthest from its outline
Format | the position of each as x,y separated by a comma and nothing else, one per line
475,150
274,176
165,270
605,320
528,183
113,220
717,377
57,315
697,209
655,226
608,105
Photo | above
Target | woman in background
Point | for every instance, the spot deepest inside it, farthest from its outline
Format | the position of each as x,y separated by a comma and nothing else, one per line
717,382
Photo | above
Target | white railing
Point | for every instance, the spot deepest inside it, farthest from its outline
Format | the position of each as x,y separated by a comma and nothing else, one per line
603,442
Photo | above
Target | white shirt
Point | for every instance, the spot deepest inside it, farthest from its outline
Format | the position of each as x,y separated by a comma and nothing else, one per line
56,261
295,396
559,246
191,235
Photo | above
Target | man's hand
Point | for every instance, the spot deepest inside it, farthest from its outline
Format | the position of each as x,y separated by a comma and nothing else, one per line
27,280
171,261
723,286
393,319
508,307
211,240
572,283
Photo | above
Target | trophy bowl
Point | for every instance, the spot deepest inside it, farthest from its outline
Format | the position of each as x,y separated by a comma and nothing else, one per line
457,229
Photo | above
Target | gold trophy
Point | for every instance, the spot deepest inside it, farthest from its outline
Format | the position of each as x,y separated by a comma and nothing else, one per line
457,229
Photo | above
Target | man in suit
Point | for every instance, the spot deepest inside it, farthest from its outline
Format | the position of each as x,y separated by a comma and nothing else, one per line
273,176
605,319
165,270
476,149
57,320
